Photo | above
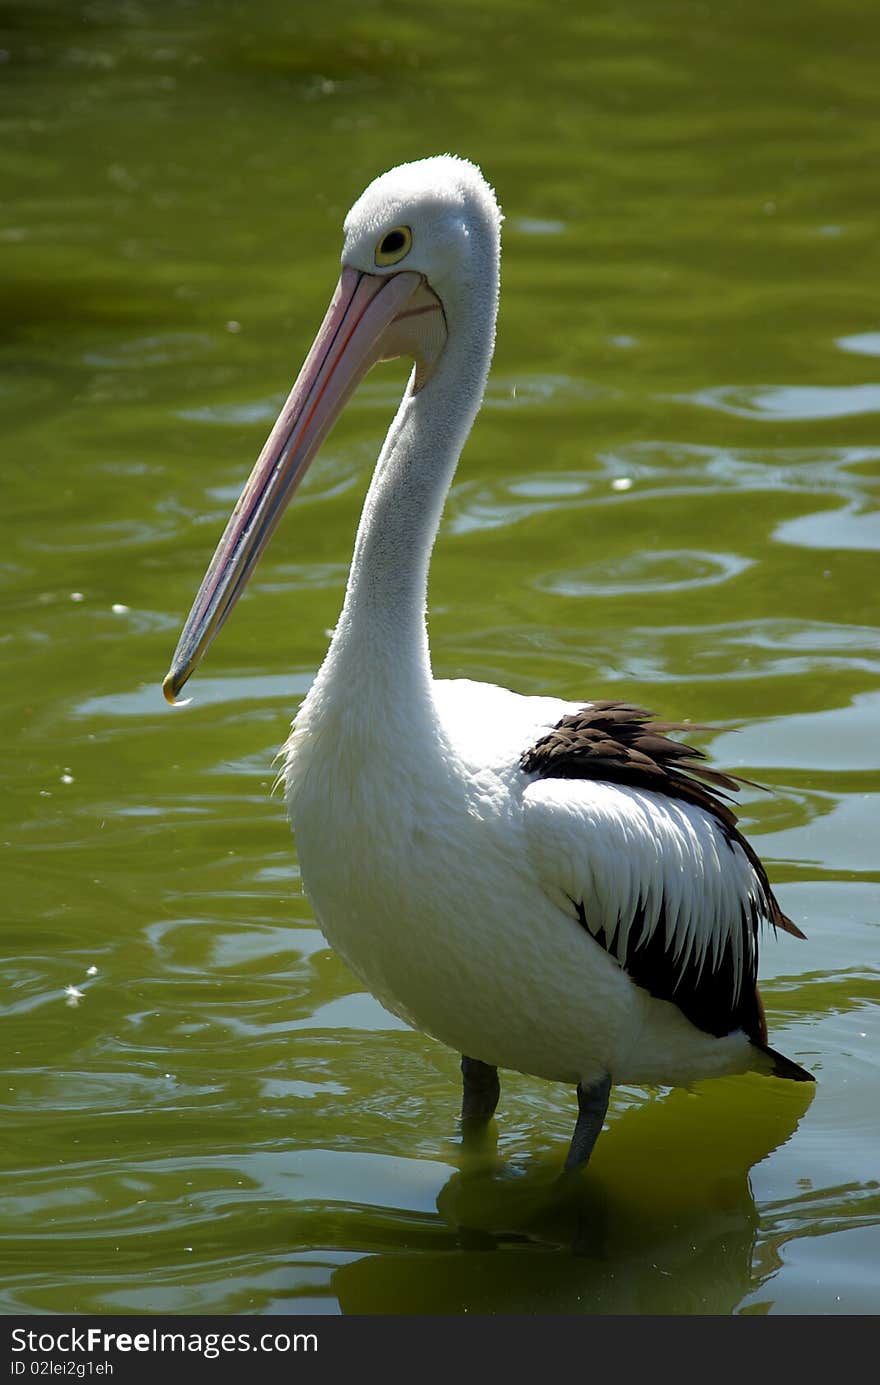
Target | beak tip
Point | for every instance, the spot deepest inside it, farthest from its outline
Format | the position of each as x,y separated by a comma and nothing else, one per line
170,689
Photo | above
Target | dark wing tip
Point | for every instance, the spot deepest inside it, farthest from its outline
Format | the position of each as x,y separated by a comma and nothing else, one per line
786,924
785,1067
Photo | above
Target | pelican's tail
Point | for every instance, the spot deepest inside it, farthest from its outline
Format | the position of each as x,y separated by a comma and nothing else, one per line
778,1065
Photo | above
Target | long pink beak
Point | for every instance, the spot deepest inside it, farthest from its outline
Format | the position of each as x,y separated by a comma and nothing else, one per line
348,343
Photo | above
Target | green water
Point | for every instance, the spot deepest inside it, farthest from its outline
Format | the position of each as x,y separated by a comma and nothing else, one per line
224,1122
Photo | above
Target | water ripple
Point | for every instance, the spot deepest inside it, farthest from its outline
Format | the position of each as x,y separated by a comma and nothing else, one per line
835,739
148,701
789,402
862,344
670,570
644,470
164,349
845,528
737,651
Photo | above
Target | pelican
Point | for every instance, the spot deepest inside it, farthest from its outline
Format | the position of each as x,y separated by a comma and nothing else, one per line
552,887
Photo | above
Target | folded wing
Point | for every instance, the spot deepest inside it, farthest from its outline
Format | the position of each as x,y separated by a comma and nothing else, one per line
626,833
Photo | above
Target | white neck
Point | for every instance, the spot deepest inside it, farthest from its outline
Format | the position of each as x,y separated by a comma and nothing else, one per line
380,645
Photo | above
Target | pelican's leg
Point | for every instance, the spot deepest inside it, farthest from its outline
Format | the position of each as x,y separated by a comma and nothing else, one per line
481,1091
592,1106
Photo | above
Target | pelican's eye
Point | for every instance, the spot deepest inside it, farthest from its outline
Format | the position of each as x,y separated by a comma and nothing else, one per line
394,245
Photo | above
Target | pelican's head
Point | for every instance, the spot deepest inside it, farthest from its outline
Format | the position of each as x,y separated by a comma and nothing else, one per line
421,245
437,218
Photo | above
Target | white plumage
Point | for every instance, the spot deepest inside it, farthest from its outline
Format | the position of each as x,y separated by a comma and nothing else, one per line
445,878
529,921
